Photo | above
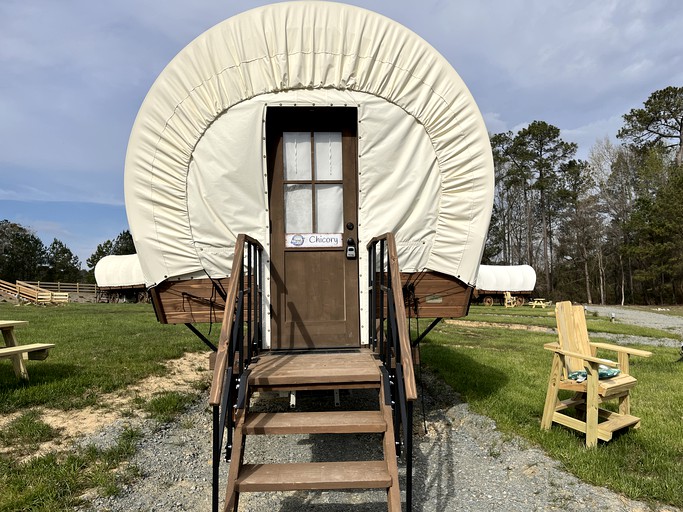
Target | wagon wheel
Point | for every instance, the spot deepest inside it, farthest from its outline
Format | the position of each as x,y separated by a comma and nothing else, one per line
114,297
488,301
142,297
520,300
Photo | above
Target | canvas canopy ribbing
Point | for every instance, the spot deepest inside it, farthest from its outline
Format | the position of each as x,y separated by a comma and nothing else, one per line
502,278
195,167
119,272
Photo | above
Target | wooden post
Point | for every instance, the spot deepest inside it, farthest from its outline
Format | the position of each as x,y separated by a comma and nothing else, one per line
551,394
592,405
231,493
624,401
17,359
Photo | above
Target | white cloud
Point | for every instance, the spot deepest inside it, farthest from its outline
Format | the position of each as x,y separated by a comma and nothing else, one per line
494,124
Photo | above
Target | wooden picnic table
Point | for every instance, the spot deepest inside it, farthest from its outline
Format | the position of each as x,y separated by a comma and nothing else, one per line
17,353
539,302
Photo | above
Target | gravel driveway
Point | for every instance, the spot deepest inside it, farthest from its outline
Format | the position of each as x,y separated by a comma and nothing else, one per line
642,318
461,462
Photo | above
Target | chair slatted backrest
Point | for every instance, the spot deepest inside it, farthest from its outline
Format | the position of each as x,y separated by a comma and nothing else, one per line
572,332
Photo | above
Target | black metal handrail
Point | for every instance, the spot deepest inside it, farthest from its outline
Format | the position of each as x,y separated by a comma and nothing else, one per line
243,312
390,338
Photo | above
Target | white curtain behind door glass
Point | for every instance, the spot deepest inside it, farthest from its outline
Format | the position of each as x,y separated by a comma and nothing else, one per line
328,156
329,211
297,155
298,208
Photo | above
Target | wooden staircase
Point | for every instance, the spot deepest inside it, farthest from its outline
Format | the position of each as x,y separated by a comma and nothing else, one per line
242,367
310,372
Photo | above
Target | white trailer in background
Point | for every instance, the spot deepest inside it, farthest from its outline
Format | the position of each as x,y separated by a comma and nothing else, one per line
493,281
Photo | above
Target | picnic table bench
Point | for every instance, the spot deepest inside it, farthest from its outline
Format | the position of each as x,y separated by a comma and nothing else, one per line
17,353
539,302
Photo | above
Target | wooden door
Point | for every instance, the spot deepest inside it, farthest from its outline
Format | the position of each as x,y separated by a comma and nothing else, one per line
313,218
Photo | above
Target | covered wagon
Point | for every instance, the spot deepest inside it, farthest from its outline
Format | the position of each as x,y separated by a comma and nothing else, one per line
306,174
120,277
494,281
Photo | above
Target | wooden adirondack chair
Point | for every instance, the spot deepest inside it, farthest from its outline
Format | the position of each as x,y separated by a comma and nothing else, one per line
510,301
575,353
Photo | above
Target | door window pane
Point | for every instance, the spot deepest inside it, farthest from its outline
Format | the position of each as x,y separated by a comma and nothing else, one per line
328,156
298,208
329,206
297,155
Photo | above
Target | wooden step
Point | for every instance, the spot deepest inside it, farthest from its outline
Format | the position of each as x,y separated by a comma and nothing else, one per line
315,371
605,429
313,476
617,422
335,422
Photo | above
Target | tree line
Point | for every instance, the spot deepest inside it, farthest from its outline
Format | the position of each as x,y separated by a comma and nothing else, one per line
606,229
24,257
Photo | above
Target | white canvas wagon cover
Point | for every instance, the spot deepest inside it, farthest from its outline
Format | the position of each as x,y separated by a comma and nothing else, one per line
506,278
196,173
119,272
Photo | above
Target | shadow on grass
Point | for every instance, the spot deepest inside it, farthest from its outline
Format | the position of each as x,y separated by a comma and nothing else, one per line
39,372
44,387
468,377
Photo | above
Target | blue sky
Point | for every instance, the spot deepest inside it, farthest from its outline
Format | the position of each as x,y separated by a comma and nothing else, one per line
73,74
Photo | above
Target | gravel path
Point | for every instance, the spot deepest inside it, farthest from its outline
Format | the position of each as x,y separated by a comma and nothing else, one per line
461,463
642,318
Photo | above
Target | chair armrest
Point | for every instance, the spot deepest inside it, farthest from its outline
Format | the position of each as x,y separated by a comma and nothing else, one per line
554,347
619,348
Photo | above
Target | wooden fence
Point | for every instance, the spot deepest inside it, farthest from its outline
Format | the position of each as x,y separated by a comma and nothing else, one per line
8,288
66,287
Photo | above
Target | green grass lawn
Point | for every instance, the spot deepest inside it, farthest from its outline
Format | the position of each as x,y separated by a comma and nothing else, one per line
99,348
504,374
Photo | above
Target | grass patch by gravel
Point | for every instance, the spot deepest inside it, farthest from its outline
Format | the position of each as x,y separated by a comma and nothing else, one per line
56,482
503,374
99,349
546,318
165,407
24,434
675,310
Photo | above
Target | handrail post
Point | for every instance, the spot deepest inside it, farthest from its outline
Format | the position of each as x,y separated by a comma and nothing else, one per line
250,304
409,456
381,301
372,256
232,343
394,349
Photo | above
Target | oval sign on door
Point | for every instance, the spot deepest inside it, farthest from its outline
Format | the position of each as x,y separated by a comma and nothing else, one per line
305,240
